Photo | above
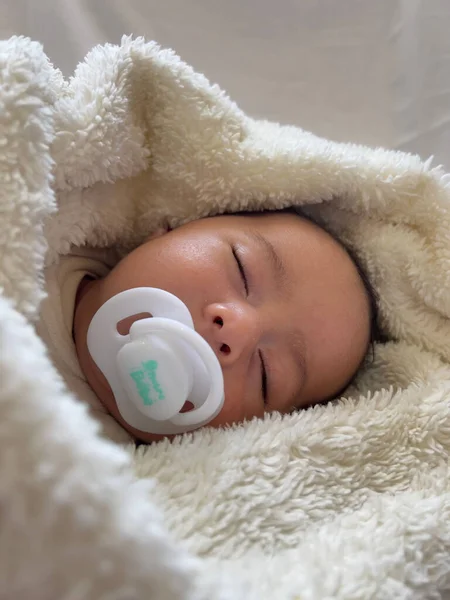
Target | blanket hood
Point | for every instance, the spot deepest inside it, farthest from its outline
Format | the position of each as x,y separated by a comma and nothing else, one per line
136,141
146,142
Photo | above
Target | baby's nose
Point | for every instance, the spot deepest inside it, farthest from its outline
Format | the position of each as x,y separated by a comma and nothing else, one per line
233,331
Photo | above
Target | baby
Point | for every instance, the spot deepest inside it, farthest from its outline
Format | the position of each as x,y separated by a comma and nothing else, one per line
283,305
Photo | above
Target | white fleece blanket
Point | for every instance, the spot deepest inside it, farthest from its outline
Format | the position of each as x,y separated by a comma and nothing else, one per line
347,501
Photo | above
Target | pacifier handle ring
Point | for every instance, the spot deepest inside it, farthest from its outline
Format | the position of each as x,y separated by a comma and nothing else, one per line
214,400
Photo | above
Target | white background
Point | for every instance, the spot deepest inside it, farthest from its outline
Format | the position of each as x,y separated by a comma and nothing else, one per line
369,71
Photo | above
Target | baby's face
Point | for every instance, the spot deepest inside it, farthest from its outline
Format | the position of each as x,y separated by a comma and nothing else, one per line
279,301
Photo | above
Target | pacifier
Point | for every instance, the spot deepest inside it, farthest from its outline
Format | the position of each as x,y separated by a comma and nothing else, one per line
159,365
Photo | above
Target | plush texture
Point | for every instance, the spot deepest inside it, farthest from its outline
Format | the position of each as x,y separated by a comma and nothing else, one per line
349,500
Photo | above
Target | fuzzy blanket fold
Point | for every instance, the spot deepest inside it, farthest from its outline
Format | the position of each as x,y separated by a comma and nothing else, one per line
349,500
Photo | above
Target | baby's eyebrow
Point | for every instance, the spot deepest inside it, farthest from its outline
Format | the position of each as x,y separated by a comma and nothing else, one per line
274,258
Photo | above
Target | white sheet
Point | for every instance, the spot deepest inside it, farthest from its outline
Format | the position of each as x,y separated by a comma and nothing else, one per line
377,72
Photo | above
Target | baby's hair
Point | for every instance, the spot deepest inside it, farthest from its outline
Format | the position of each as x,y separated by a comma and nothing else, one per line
372,295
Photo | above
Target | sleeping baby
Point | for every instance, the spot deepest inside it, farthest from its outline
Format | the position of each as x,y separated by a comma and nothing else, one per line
285,307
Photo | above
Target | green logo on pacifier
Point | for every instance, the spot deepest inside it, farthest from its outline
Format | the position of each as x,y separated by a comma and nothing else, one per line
147,384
